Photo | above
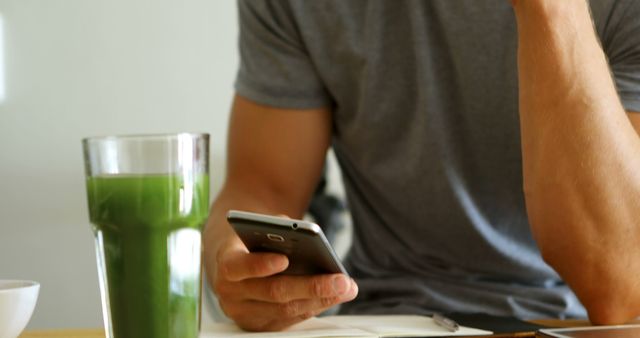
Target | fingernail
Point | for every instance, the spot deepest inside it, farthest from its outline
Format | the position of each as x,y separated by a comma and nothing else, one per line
354,287
340,284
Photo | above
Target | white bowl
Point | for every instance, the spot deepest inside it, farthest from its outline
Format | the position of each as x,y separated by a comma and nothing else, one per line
17,301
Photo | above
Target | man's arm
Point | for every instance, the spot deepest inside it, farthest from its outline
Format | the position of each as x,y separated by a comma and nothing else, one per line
275,158
634,117
581,159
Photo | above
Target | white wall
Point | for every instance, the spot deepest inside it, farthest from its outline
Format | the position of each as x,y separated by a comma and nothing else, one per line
76,68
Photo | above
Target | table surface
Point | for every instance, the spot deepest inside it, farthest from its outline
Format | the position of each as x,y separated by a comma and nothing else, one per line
71,333
99,333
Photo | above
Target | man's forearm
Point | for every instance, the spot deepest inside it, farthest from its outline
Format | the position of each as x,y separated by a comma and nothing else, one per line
581,158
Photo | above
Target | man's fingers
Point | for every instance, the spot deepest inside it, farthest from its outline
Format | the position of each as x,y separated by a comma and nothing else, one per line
237,266
281,289
278,316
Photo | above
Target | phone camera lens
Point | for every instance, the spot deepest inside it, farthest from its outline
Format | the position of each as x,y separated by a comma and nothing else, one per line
295,225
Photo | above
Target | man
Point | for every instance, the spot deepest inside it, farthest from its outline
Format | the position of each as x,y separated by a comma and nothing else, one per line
448,117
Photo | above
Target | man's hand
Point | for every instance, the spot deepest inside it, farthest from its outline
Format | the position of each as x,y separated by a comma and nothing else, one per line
252,294
275,158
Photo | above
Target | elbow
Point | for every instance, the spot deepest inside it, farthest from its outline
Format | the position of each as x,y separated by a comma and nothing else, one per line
605,312
594,251
610,293
608,301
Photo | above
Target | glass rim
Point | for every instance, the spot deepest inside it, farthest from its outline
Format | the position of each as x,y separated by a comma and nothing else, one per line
143,136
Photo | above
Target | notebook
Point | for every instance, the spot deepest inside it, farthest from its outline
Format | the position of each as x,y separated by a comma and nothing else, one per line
502,326
349,326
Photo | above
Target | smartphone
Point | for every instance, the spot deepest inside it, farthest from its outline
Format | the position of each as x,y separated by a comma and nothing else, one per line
302,242
617,331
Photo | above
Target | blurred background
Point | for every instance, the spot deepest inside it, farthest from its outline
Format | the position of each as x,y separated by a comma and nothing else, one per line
76,68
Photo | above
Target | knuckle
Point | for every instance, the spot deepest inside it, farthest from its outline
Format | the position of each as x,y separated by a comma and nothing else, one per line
256,268
219,256
289,310
219,287
243,315
326,302
277,290
253,269
225,289
306,315
316,287
222,270
248,318
227,308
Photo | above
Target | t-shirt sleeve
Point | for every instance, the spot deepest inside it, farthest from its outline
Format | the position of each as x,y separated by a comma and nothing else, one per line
621,42
275,68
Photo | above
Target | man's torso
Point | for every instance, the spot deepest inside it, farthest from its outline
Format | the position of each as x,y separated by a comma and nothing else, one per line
426,130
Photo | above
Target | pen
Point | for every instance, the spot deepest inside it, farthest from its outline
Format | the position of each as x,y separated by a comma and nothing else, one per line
445,322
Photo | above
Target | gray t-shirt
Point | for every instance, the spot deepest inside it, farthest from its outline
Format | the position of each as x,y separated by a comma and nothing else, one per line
426,130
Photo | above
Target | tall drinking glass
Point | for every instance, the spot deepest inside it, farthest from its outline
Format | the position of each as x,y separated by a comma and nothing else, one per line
148,200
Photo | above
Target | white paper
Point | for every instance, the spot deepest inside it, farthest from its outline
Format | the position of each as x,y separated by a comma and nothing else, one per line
402,326
347,327
311,328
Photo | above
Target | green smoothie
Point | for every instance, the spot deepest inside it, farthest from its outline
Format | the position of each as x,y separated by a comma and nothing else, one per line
147,230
